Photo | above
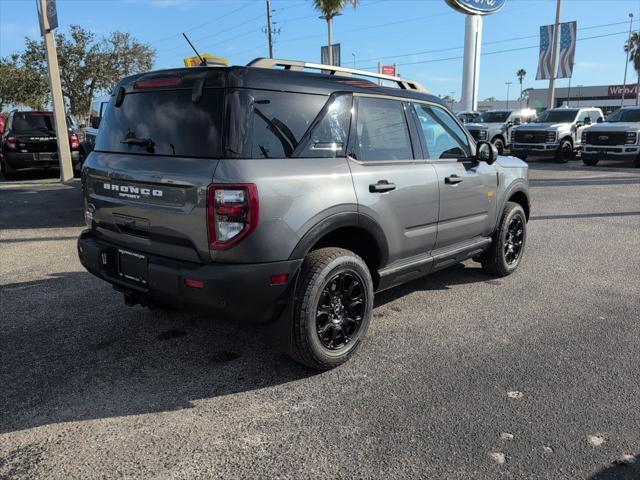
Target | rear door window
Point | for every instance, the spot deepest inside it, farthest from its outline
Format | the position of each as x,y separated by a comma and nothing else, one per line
382,130
164,122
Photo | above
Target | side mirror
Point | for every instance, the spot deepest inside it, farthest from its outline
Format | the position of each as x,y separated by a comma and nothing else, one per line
486,152
517,121
600,120
587,121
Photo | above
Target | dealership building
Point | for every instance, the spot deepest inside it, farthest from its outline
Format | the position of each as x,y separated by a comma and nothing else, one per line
606,97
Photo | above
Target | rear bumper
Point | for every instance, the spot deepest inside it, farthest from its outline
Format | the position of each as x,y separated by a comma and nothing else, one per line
622,152
236,292
537,149
20,160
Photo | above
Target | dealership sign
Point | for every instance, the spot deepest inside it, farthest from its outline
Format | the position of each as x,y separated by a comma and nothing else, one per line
630,91
476,7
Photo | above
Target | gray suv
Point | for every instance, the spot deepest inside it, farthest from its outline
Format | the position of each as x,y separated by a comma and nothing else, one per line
286,198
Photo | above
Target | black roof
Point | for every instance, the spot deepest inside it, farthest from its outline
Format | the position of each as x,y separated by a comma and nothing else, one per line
272,79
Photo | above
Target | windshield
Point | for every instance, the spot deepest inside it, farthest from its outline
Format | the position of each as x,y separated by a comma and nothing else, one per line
164,122
625,115
29,121
492,117
556,116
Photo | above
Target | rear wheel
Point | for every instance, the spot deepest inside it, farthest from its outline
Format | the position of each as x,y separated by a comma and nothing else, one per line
7,172
565,151
506,250
590,161
334,301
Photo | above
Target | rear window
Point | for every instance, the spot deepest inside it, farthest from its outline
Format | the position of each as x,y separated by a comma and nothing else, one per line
165,122
29,121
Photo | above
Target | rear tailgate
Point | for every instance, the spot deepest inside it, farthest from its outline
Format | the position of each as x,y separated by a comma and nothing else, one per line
36,142
146,180
154,204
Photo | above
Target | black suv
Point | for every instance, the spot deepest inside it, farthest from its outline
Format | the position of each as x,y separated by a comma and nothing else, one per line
29,142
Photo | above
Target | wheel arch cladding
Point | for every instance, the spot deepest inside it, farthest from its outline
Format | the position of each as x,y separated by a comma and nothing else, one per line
521,198
355,232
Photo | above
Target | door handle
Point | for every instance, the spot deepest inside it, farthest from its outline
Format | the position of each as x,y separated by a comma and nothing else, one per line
382,186
453,180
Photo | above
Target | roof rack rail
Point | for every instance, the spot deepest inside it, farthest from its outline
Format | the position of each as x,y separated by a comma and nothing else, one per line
297,65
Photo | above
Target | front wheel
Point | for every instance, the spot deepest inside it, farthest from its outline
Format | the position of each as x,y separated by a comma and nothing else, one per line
506,250
565,152
334,302
499,143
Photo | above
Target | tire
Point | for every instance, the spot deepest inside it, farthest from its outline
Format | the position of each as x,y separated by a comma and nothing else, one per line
324,338
590,161
499,143
565,151
497,260
7,172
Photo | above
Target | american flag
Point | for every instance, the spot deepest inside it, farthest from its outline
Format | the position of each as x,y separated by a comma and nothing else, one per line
544,63
567,49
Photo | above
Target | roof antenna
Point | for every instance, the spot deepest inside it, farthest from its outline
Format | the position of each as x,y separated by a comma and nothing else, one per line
203,62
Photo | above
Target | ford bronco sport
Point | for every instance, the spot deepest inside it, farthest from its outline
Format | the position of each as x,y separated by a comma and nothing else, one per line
283,197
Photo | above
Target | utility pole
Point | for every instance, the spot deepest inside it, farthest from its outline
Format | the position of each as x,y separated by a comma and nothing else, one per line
269,29
554,58
626,60
59,115
330,34
508,84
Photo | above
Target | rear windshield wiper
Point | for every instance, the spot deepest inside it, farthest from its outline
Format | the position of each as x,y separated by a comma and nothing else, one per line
139,142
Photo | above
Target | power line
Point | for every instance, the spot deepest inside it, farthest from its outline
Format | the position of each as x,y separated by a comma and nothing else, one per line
494,42
494,52
208,22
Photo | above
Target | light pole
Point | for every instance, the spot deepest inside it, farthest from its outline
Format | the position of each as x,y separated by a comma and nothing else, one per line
626,59
354,59
329,20
554,58
508,84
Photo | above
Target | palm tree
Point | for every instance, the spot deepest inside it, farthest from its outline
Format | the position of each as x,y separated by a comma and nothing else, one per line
330,9
632,47
521,74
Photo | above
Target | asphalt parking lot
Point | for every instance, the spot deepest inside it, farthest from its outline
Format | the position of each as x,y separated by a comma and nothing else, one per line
462,375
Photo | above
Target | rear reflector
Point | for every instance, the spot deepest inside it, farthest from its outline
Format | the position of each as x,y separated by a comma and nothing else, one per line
279,279
158,83
190,282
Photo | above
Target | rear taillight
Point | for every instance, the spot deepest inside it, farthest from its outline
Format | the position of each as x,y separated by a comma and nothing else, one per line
233,213
73,140
12,143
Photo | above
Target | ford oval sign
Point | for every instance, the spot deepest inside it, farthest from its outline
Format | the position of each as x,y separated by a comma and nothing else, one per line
477,7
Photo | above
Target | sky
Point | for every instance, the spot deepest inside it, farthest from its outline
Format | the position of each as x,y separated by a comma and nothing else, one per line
424,38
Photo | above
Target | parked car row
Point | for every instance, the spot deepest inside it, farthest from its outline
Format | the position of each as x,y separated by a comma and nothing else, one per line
560,133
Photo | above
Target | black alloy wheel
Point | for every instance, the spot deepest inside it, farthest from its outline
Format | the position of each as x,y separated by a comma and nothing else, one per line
340,311
514,241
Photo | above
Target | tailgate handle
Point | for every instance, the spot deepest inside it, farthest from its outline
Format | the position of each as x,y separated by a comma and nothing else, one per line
382,186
